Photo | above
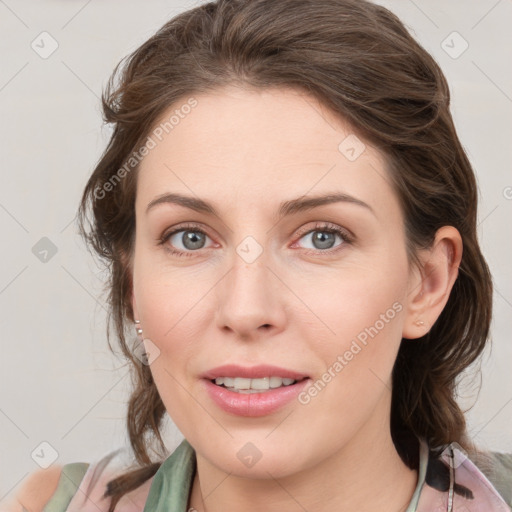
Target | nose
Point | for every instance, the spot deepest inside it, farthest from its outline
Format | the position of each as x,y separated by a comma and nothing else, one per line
250,300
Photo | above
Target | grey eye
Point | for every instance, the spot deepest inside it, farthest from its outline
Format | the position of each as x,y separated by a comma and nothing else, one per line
190,239
321,239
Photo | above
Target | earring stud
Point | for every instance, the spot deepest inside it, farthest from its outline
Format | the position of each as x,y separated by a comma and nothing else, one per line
419,323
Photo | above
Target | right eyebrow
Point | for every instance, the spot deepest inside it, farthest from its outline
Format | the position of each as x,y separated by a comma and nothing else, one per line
190,202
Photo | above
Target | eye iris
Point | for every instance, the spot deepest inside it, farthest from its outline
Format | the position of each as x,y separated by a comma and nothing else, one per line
324,239
192,239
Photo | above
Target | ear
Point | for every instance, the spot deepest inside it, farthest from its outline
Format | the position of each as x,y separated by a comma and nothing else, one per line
430,285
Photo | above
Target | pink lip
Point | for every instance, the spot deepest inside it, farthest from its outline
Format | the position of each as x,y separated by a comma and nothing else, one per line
253,372
253,404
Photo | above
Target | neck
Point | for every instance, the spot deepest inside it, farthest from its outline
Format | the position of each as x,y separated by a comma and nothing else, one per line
366,474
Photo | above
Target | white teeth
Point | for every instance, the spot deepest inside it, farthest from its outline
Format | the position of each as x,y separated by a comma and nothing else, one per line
262,384
275,382
253,385
240,383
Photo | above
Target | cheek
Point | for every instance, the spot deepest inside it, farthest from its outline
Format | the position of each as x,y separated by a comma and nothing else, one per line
361,311
169,299
351,299
169,306
175,313
357,360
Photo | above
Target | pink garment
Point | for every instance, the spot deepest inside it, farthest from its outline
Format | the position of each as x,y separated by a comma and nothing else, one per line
469,489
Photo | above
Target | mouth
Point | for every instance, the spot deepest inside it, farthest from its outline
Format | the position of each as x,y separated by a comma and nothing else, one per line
253,402
253,391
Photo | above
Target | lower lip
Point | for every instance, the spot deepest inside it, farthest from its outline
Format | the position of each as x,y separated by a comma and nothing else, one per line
254,404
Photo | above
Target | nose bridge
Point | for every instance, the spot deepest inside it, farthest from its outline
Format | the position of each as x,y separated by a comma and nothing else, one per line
249,298
250,276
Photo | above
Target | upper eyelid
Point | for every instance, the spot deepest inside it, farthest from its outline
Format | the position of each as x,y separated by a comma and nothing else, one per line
186,227
327,226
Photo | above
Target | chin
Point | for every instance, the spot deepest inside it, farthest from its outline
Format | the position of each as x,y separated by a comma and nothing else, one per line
257,460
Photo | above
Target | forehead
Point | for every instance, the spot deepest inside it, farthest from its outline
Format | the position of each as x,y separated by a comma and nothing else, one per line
272,143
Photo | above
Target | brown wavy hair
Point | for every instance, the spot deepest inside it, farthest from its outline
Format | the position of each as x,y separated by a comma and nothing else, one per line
359,60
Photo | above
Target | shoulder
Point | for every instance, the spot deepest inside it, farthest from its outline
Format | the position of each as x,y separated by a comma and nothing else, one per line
36,490
58,487
78,486
53,487
497,467
482,479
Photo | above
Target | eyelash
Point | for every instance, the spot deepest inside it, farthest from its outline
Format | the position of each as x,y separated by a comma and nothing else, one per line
324,227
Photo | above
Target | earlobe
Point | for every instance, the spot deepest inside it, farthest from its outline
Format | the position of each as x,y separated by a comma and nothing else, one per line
431,285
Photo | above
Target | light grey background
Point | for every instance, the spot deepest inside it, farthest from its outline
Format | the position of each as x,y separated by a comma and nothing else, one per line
59,383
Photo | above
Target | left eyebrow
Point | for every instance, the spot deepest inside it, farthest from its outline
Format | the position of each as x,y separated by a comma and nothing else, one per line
307,203
286,207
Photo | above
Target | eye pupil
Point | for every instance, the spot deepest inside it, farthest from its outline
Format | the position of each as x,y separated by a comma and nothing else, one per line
193,239
324,238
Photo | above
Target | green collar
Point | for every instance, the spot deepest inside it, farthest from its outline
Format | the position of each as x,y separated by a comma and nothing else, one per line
172,482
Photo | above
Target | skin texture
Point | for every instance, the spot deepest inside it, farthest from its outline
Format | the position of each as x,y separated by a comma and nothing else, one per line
35,491
297,306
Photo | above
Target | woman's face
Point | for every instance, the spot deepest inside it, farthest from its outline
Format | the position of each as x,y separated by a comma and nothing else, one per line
271,281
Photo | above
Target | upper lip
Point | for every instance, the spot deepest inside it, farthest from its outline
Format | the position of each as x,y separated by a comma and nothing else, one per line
252,372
